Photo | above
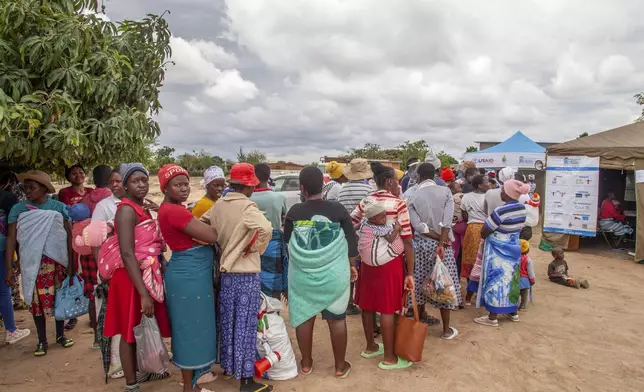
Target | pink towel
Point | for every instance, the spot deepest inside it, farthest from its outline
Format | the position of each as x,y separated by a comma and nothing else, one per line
148,245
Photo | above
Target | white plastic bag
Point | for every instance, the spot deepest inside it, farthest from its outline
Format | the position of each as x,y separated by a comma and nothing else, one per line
151,353
274,337
439,286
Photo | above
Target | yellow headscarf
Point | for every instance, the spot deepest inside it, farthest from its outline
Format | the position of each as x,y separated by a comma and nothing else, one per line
399,174
525,246
334,169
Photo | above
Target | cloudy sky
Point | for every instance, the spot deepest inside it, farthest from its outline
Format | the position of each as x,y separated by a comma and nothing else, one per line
299,79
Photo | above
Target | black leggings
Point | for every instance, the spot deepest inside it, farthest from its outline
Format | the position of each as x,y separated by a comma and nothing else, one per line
41,328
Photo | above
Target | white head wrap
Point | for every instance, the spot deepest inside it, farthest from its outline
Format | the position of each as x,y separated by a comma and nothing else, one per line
373,209
212,173
433,159
506,174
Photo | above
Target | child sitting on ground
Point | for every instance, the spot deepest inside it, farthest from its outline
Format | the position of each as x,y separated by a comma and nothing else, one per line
527,280
558,271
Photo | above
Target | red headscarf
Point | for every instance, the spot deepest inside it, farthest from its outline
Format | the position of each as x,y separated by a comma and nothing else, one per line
447,174
168,172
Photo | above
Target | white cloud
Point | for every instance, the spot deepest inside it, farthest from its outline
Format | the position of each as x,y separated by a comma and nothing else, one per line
195,105
231,88
307,78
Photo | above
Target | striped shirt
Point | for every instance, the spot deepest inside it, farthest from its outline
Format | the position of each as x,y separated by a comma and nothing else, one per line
352,194
508,218
396,211
331,190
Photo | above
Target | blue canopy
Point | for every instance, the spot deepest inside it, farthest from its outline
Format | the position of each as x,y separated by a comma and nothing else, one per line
517,143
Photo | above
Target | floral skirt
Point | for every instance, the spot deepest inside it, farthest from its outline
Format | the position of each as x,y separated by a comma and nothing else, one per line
49,278
425,250
471,243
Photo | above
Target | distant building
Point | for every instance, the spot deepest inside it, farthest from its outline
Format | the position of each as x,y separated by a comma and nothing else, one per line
392,164
285,166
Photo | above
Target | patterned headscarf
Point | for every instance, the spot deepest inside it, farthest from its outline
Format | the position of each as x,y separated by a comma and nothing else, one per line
127,169
211,174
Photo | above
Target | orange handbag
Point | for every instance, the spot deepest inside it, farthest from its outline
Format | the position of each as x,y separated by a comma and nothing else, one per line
410,333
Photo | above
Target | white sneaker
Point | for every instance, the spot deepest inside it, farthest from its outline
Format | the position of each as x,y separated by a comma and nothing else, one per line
17,335
515,318
485,320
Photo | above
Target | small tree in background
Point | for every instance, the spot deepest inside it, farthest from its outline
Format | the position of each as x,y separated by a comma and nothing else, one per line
76,88
471,149
446,159
582,135
640,101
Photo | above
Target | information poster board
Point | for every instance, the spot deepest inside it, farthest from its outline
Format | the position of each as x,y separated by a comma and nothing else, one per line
572,195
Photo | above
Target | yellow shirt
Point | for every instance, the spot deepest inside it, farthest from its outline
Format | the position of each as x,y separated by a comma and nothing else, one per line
202,206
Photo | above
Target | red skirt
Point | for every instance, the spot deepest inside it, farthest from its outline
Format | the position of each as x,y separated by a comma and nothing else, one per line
123,311
380,289
89,271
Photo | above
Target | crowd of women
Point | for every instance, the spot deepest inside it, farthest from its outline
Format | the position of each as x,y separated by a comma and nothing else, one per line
353,245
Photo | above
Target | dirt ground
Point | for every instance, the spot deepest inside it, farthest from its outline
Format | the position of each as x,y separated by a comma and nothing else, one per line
569,340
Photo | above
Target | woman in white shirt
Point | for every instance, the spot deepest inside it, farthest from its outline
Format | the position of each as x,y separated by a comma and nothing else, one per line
473,208
106,209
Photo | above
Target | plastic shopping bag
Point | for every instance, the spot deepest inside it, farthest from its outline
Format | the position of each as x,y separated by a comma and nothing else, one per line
272,337
151,353
439,287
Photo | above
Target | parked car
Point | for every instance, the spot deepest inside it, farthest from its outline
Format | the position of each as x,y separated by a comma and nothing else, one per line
289,184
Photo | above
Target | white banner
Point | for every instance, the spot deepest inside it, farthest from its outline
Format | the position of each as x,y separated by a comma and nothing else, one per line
572,195
512,159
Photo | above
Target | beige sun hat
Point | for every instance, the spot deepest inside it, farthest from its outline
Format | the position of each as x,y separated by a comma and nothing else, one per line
40,177
358,169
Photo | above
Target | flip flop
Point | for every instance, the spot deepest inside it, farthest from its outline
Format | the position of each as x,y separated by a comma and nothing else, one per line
401,364
381,351
346,372
453,335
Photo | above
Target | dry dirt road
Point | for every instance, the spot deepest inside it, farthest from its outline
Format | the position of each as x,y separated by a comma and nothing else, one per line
569,340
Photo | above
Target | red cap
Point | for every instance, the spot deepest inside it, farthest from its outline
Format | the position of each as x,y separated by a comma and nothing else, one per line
447,174
243,173
168,172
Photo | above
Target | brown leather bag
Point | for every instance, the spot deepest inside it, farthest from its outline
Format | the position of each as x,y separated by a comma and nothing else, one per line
410,333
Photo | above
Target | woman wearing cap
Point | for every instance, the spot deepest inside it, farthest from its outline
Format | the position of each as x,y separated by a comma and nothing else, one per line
243,233
215,182
499,287
331,189
42,274
129,298
357,172
392,275
74,194
188,280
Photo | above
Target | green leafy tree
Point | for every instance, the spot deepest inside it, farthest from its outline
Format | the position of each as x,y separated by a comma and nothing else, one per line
471,149
582,135
76,88
417,149
446,159
163,156
640,101
255,156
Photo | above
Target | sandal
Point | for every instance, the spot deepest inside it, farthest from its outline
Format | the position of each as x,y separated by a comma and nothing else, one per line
346,373
429,320
41,350
401,364
452,336
381,351
64,342
142,377
253,386
305,372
